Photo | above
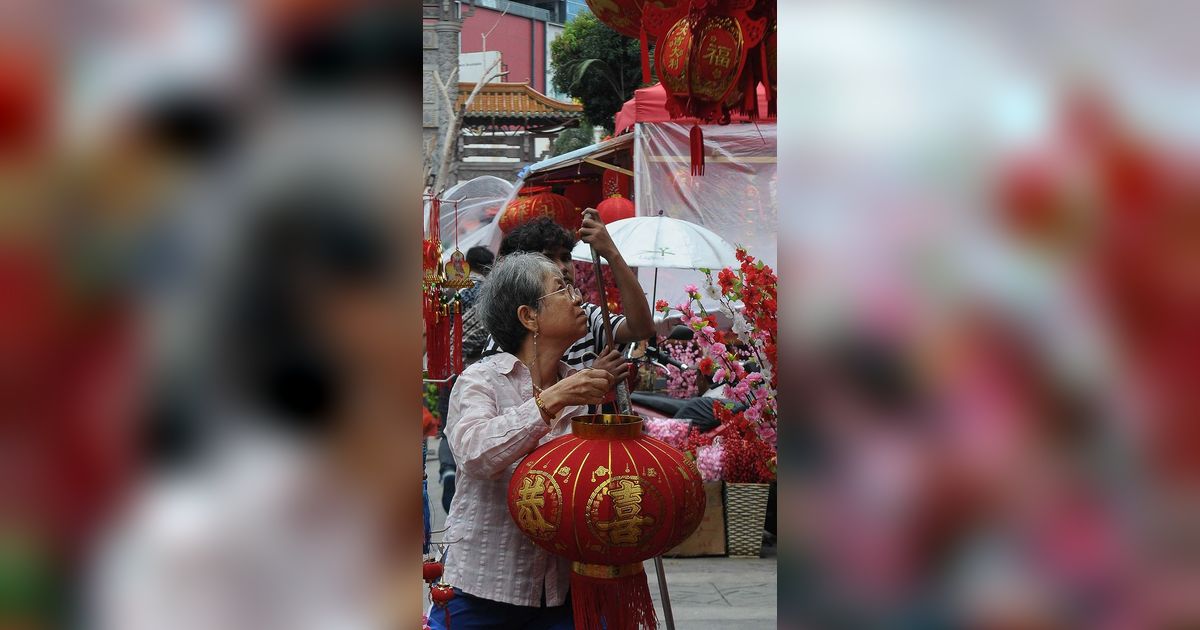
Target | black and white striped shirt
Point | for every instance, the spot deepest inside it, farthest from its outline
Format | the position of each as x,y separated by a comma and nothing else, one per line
583,352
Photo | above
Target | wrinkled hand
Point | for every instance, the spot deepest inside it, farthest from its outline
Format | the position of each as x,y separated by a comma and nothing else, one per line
586,387
595,234
612,362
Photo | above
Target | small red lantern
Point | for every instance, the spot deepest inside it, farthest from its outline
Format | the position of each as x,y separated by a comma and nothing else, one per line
615,208
607,497
441,594
431,570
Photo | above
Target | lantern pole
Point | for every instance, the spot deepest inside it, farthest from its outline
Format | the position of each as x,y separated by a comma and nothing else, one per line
624,407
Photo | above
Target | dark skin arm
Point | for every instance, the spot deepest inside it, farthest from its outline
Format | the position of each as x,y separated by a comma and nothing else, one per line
638,324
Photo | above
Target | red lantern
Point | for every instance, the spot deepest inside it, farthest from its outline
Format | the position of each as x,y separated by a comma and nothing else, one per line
615,208
583,194
607,497
441,594
431,571
625,17
700,61
622,16
515,213
557,207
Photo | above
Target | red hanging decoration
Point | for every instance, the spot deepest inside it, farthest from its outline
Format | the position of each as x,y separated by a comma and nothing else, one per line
607,497
584,194
441,594
437,331
557,207
701,60
431,570
697,145
615,208
614,183
458,338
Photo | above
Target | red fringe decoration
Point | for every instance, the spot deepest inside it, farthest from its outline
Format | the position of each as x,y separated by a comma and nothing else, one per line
458,338
766,81
645,57
697,138
447,609
623,603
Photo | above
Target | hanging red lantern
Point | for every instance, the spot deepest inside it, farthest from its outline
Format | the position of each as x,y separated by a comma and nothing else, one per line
615,208
626,18
608,498
514,214
557,207
441,594
583,194
431,570
700,60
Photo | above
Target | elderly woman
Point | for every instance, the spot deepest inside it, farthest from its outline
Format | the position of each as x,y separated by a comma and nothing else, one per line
501,409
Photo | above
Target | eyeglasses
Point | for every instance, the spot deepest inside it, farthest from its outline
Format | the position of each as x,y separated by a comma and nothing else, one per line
572,293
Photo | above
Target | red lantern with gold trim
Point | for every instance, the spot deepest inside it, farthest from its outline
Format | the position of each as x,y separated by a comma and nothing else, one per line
557,207
700,60
608,498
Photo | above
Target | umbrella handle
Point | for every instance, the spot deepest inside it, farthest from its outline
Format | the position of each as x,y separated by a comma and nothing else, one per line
624,407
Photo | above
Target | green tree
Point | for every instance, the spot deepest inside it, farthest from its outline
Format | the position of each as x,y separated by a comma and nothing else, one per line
596,65
576,138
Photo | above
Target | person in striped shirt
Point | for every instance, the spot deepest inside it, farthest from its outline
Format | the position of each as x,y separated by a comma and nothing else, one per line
545,236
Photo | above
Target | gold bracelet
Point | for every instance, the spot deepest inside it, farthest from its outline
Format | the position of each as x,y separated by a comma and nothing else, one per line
537,400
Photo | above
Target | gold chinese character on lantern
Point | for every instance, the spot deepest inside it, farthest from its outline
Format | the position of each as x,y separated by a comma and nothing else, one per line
529,507
718,55
626,526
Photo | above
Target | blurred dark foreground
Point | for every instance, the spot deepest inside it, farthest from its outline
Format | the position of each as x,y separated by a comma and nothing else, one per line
208,283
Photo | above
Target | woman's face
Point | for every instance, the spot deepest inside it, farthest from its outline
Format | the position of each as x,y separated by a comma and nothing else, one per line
560,315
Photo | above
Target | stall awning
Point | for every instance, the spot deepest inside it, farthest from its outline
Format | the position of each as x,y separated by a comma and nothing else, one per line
589,154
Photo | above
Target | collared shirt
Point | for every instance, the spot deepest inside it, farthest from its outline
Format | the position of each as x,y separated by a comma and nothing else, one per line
583,352
493,422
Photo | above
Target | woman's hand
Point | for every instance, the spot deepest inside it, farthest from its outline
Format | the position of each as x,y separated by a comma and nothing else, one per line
612,362
587,387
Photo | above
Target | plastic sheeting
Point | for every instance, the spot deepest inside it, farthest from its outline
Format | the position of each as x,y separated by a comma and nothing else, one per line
478,202
734,198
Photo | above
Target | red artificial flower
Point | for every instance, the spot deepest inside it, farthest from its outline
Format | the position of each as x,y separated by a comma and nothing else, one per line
706,366
726,278
661,305
711,319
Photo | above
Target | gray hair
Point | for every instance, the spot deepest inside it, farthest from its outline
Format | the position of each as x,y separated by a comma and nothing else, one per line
516,280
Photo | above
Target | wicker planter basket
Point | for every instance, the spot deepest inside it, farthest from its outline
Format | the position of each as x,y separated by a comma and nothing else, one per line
745,515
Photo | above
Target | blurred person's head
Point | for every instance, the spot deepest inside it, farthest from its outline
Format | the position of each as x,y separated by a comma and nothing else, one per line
526,294
315,315
544,236
480,259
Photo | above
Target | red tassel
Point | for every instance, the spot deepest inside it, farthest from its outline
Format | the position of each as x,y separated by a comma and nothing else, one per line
697,137
620,603
766,81
458,338
645,57
447,618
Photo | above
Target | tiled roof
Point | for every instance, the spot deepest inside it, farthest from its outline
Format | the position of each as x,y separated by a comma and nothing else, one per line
515,100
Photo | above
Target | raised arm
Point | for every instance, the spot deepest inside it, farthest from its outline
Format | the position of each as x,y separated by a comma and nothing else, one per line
638,323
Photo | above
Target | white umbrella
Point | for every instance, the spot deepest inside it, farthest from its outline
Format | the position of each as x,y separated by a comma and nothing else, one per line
663,242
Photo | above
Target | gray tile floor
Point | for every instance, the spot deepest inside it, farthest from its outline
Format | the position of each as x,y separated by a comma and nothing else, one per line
706,593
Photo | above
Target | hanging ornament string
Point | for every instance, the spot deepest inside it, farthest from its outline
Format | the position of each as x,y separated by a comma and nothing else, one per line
458,325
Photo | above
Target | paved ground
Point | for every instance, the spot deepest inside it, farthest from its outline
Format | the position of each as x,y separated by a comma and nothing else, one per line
706,593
